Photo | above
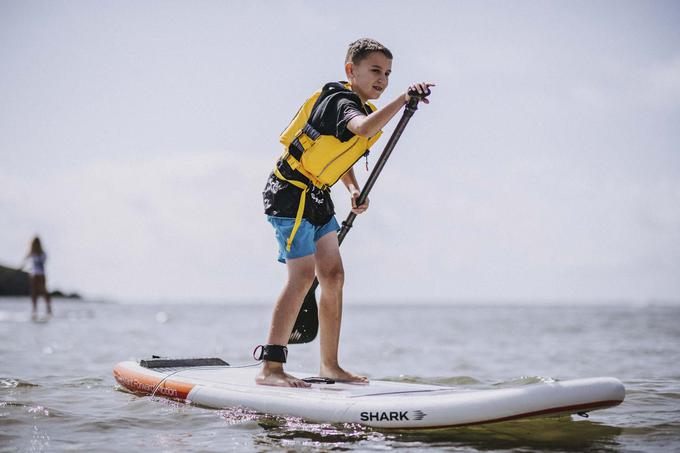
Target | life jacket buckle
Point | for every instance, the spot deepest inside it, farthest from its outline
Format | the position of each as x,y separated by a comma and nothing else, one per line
305,141
292,161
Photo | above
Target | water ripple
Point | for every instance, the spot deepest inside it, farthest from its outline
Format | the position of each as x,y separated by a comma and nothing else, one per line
6,383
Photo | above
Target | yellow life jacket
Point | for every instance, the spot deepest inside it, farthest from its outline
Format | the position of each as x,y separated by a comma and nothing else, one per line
322,159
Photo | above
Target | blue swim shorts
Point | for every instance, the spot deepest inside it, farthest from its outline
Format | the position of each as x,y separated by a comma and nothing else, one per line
304,242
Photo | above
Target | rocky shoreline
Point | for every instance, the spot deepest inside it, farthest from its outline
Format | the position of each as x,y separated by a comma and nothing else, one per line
14,282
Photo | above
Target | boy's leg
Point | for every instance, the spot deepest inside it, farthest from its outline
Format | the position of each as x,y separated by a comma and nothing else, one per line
331,277
300,277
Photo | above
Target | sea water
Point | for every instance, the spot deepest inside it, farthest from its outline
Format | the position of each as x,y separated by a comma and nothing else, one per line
57,392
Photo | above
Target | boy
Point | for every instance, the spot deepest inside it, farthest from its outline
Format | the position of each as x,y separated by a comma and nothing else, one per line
330,132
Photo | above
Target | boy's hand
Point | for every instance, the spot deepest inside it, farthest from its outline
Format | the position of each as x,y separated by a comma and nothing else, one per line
358,209
420,87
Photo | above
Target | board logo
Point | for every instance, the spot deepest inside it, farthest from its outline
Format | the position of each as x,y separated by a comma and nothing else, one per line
391,416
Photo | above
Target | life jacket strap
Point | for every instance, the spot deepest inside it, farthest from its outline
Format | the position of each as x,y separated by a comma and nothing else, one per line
311,132
297,165
304,139
301,143
301,205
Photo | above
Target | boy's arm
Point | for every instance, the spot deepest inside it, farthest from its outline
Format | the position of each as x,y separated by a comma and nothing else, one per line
368,126
350,181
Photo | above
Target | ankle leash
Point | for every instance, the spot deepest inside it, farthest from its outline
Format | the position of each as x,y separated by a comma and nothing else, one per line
271,353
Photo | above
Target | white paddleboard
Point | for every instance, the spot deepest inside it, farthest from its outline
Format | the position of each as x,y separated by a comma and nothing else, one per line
382,404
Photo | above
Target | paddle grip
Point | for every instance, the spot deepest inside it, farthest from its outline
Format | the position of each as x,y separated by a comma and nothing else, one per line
416,94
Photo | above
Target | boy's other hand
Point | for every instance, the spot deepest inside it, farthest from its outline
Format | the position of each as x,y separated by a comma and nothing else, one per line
420,87
358,209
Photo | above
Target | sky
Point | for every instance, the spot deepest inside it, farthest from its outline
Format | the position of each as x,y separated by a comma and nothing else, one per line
136,138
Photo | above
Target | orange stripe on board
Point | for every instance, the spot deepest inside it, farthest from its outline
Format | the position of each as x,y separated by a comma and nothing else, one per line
142,383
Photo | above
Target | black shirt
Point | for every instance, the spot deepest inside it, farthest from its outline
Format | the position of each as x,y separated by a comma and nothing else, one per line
281,199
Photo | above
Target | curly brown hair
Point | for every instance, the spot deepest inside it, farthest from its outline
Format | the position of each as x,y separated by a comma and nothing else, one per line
361,48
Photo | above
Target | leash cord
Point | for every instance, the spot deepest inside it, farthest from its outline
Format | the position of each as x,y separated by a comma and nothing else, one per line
166,377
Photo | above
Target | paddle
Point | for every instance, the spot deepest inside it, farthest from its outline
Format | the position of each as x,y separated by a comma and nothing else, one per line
307,322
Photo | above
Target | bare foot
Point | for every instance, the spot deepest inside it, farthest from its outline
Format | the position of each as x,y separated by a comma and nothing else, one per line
277,377
339,375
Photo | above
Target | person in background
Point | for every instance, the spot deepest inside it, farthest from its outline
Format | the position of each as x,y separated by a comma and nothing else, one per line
38,281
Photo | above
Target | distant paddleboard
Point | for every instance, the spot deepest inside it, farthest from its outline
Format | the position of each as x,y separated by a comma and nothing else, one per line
382,404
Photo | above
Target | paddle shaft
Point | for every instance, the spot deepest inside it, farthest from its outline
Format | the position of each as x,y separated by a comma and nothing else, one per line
410,109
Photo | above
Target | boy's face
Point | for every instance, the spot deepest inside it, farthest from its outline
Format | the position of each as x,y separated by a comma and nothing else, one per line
370,77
